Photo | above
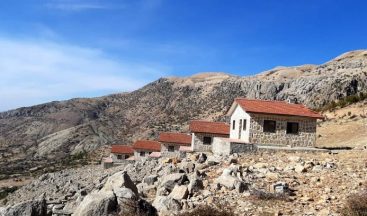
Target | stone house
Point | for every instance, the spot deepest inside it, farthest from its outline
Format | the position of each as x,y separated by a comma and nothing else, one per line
145,148
204,132
278,123
121,152
171,143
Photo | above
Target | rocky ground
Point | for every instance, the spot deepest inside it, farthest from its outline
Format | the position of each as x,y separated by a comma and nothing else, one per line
261,183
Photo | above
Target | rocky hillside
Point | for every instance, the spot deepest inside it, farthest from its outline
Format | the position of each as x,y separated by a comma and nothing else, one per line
34,135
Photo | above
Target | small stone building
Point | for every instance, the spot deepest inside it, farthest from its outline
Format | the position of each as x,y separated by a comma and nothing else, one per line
145,148
171,143
203,133
121,152
278,123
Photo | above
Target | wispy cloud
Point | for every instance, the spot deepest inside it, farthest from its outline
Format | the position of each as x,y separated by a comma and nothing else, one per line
79,5
37,71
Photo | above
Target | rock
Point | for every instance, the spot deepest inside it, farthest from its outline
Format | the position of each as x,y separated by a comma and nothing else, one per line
213,160
229,181
295,159
260,165
167,204
126,200
300,168
179,192
33,207
188,167
195,185
240,186
118,180
202,158
171,180
232,159
150,180
97,203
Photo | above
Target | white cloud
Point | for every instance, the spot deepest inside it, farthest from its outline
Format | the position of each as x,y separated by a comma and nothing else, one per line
33,72
79,5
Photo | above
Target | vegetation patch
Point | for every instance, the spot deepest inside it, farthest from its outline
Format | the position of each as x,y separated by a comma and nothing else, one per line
356,205
345,101
206,210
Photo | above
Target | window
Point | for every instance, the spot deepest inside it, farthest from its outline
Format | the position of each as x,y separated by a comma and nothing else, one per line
233,125
119,157
171,148
269,126
292,128
142,154
126,156
207,140
244,124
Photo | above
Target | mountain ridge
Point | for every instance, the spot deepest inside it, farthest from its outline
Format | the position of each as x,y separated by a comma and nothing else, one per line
54,130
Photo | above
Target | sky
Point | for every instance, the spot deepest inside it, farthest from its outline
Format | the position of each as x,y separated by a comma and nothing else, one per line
60,49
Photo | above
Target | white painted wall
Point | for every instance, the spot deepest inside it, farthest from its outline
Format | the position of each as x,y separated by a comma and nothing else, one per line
237,115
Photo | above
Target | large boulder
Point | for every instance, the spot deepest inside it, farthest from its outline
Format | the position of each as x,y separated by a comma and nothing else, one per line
179,192
166,204
119,180
97,203
231,182
171,180
33,207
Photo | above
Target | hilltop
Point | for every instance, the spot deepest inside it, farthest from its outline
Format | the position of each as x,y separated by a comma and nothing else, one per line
39,135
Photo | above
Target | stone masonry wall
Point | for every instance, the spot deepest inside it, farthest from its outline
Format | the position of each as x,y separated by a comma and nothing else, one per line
166,153
198,139
306,136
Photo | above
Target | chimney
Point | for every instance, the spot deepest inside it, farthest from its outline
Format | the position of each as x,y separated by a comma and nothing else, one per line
292,100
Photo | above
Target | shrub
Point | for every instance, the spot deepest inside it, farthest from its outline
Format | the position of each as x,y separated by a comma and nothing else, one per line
262,195
356,205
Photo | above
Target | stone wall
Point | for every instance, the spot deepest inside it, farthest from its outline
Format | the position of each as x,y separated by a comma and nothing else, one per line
114,156
198,141
166,153
137,154
306,136
225,147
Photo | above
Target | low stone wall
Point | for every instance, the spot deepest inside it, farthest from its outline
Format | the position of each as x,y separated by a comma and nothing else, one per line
306,136
224,147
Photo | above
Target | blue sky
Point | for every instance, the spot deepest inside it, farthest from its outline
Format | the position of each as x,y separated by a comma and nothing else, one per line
60,49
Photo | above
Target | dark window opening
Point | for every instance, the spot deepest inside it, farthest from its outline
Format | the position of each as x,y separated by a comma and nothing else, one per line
269,126
233,124
292,127
142,154
126,156
119,157
207,140
244,124
171,148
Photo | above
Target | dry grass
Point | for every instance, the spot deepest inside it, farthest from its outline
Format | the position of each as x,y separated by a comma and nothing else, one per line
356,205
206,210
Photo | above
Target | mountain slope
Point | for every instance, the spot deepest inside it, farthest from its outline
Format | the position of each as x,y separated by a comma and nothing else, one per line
40,133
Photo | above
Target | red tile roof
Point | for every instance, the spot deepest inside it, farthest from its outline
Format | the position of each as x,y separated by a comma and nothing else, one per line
276,108
147,145
122,149
198,126
179,138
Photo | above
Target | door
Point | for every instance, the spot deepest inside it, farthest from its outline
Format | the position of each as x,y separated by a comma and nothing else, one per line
239,129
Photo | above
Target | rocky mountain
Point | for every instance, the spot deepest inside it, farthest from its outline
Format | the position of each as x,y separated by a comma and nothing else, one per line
47,132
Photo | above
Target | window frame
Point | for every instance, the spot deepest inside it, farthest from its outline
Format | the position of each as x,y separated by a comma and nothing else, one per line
207,137
244,126
266,128
171,147
289,126
142,154
119,156
234,125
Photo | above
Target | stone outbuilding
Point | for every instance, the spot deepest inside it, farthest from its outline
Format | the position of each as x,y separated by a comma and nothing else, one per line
204,132
121,152
274,123
171,143
145,148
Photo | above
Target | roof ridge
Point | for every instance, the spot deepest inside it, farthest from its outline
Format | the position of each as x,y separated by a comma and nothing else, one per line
264,100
